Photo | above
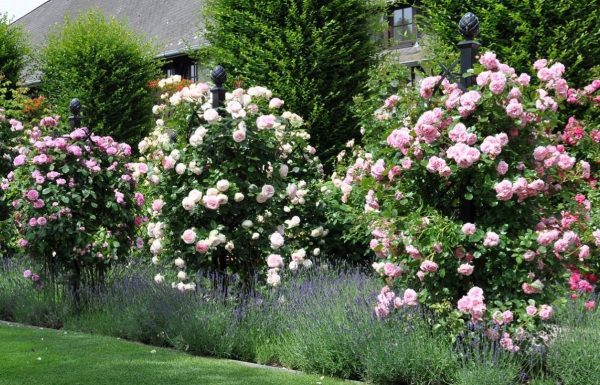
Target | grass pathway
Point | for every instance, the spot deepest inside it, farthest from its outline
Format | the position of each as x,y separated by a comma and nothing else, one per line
54,357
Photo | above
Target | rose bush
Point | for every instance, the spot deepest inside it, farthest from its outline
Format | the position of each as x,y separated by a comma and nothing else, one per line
479,205
232,189
74,200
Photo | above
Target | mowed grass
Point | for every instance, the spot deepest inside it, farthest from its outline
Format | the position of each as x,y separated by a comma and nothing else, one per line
53,357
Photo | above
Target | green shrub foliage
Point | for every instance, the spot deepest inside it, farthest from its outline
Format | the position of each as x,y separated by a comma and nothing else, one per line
519,31
316,53
13,50
106,66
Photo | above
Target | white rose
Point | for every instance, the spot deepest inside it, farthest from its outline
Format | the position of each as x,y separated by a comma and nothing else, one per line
316,232
283,170
255,236
291,223
293,266
188,203
175,154
223,185
195,140
180,263
276,240
316,251
155,260
180,168
211,115
229,246
156,246
196,195
307,263
182,275
212,191
143,146
222,199
238,197
247,224
159,278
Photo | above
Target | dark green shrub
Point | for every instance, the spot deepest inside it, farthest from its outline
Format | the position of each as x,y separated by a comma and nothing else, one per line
106,66
13,50
317,54
522,31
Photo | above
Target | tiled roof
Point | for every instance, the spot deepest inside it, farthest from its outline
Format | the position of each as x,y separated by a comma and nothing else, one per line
173,24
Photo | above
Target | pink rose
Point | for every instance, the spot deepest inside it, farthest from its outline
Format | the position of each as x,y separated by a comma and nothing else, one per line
264,122
502,167
507,317
531,310
410,297
590,305
529,255
32,195
239,136
276,103
158,204
491,239
468,229
466,269
19,160
202,246
546,312
211,202
429,266
392,270
189,236
504,190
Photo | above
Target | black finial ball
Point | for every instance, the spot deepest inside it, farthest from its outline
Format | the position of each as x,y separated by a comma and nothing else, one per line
469,26
75,106
218,75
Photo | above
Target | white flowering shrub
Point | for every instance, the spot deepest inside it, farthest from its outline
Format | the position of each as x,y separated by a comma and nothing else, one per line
233,188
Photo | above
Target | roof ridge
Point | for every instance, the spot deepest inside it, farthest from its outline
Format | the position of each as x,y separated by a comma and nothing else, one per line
44,3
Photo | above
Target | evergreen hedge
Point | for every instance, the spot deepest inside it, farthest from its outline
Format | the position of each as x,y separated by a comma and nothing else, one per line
108,67
316,54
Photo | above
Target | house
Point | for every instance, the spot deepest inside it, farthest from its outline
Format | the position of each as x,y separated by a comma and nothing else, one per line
172,24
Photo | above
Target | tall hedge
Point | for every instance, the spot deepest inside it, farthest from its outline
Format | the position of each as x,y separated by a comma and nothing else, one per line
519,31
108,67
316,54
13,50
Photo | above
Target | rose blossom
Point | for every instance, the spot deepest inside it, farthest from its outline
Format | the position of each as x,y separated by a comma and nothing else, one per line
465,269
491,239
410,297
468,229
189,236
276,240
275,261
429,266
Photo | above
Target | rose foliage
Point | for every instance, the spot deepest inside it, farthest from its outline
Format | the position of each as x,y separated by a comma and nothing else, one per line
479,201
233,188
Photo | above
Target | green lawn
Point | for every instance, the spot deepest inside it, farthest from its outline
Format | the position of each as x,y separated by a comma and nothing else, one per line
53,357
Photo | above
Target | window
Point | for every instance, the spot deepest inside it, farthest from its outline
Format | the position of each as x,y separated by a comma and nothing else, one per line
194,72
171,72
402,28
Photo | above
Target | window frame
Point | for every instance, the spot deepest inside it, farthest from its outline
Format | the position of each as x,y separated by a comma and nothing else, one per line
391,41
